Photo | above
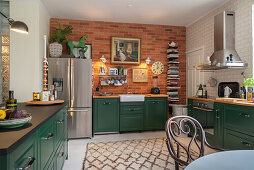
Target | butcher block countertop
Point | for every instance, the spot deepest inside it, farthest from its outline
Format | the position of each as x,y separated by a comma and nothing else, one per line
235,101
146,95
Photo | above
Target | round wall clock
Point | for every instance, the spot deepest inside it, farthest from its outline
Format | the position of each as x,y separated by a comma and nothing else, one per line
157,67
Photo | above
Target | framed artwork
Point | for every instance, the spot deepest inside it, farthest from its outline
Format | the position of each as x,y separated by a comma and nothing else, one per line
139,75
125,50
78,52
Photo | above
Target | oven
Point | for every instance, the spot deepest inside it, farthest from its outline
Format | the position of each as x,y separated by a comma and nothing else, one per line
203,111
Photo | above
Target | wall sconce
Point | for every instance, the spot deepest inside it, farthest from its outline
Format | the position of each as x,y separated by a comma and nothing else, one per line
103,59
148,60
16,26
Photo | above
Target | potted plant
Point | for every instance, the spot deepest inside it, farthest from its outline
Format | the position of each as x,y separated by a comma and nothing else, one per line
57,39
249,87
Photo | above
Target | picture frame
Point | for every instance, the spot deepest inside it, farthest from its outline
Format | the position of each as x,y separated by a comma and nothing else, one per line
125,50
139,75
78,52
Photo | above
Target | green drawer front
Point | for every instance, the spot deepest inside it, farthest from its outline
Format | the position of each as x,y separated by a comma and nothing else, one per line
60,126
60,157
24,154
235,140
239,118
132,104
132,109
131,122
46,142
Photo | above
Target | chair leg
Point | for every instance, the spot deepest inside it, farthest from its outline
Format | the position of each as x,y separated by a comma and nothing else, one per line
176,165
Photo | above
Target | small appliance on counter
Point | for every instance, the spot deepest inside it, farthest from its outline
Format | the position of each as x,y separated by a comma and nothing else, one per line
227,91
155,89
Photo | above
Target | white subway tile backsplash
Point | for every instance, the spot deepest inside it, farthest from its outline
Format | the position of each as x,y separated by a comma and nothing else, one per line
201,34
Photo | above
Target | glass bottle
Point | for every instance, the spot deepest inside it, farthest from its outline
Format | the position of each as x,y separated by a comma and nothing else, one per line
11,103
200,91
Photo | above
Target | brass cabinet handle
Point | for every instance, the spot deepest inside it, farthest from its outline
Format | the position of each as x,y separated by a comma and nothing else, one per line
106,103
28,164
60,121
244,115
155,102
246,143
50,136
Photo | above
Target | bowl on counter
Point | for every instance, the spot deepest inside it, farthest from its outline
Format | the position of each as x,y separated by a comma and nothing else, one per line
13,123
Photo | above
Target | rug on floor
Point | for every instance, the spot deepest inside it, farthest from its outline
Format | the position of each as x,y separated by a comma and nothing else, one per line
132,154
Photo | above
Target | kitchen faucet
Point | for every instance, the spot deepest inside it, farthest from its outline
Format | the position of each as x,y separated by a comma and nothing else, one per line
128,89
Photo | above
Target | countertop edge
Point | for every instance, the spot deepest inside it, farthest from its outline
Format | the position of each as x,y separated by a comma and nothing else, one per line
27,135
117,96
223,101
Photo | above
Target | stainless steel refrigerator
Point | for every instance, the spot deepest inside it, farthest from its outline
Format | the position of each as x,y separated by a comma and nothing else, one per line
72,78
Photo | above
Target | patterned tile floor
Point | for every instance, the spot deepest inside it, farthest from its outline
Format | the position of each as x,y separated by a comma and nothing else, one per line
77,147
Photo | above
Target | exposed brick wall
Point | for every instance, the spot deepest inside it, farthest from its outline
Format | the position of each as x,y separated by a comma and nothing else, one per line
154,43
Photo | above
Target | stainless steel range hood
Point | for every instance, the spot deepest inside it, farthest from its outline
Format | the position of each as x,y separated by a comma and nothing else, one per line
225,55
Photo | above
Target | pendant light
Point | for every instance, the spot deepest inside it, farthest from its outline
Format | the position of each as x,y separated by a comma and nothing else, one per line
16,26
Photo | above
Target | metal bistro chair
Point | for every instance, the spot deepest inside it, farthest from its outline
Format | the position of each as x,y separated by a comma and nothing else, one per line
180,125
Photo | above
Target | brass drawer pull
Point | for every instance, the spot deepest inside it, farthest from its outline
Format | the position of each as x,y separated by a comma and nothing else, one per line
50,136
156,102
106,103
60,121
28,164
246,143
244,115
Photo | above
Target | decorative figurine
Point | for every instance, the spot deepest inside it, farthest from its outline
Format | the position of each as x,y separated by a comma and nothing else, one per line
79,44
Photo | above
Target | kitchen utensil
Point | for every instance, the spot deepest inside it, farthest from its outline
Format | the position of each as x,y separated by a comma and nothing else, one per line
227,91
212,82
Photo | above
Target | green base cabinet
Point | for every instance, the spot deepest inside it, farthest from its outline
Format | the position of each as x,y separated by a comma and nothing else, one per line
111,115
234,128
46,148
131,116
156,113
105,115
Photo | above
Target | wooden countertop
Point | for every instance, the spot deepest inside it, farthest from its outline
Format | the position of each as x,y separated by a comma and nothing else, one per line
146,95
11,138
234,101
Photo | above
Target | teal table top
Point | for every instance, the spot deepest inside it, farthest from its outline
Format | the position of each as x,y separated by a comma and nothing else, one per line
227,160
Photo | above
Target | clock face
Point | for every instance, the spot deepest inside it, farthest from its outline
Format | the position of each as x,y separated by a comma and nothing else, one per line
157,67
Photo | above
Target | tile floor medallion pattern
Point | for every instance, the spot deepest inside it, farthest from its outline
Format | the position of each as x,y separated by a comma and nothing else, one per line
133,154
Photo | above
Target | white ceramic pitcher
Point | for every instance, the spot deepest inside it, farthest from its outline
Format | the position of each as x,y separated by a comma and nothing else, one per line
227,91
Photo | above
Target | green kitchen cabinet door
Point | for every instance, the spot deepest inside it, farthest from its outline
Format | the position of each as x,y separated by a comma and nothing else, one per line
105,115
131,122
25,156
156,113
239,118
47,139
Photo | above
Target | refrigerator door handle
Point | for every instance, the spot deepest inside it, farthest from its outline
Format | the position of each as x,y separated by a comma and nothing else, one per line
72,84
77,110
68,83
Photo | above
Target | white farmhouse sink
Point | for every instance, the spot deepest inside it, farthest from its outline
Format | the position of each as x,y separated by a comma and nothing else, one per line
132,98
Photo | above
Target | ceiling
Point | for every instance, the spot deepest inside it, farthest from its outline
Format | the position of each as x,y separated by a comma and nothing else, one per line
162,12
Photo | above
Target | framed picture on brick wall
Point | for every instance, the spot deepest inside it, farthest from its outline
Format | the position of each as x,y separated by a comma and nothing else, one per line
125,50
139,75
79,54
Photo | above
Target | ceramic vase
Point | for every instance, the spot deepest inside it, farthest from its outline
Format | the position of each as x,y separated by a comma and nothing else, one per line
55,49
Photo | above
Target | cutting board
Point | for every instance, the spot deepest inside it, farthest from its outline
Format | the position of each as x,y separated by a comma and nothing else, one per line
44,102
